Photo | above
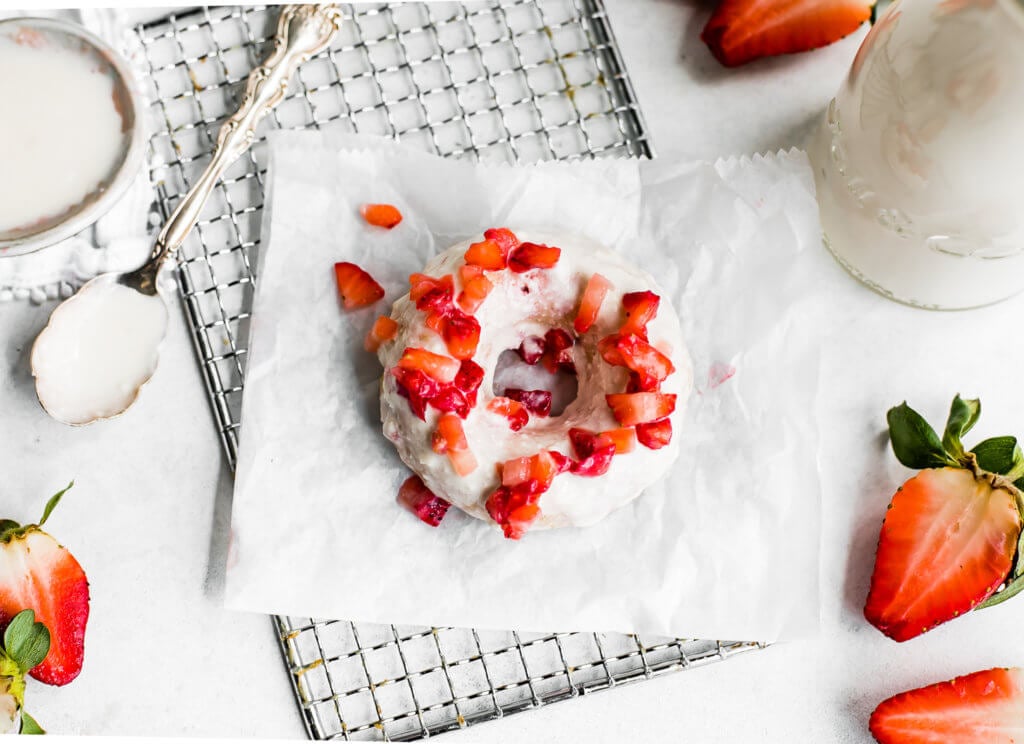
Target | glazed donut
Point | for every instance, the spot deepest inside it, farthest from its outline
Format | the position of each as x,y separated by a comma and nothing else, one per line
564,302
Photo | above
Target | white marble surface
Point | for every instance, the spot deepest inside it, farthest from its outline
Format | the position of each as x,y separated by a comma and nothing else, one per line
164,659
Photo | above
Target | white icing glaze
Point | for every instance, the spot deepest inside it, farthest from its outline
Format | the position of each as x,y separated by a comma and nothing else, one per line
507,316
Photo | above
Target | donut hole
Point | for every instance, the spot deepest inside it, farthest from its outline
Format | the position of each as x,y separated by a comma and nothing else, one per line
512,372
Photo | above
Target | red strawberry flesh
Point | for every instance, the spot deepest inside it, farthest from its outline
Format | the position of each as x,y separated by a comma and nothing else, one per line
631,409
641,308
421,501
536,401
356,287
533,256
381,215
655,434
531,349
513,410
590,305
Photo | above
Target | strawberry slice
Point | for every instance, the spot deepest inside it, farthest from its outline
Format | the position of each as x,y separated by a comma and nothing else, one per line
513,410
743,30
36,573
421,501
624,439
487,254
355,287
505,239
384,329
474,292
631,409
461,334
594,454
537,402
654,435
981,708
641,308
450,438
440,368
381,215
533,256
590,305
531,349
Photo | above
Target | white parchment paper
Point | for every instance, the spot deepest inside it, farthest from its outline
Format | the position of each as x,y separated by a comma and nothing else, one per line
725,547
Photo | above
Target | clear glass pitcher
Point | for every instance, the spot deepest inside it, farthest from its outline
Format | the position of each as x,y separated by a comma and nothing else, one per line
919,163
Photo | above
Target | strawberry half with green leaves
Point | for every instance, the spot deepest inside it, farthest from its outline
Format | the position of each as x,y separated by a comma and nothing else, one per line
26,643
951,539
37,573
982,708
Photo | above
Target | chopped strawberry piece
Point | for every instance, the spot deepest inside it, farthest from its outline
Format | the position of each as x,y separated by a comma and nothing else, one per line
516,471
450,439
740,31
441,368
469,378
474,292
533,256
594,455
513,410
655,434
384,329
421,501
355,287
543,469
505,238
417,387
642,384
608,348
562,462
463,461
487,254
435,321
590,305
514,509
536,401
558,346
381,215
624,439
641,308
430,293
461,334
644,359
451,400
468,271
631,409
531,349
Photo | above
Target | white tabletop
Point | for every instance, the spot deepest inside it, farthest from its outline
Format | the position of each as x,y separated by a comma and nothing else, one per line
163,658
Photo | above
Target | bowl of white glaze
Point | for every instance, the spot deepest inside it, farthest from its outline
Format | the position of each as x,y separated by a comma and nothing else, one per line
71,133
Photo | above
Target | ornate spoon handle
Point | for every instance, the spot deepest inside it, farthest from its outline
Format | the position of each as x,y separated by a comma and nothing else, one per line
302,31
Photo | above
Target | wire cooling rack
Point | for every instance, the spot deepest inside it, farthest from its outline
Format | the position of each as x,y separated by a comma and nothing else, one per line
507,80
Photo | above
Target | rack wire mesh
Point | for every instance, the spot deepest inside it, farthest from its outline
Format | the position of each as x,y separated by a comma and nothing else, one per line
506,80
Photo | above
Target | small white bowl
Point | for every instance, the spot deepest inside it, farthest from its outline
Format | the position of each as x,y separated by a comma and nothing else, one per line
78,217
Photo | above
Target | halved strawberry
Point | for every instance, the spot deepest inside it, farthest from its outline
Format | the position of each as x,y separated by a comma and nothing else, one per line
655,434
384,329
624,439
641,308
558,345
533,256
450,439
381,215
536,401
461,334
355,287
590,305
474,292
417,388
440,368
421,501
487,254
950,535
531,349
512,410
631,409
594,454
743,30
432,293
505,238
36,573
985,707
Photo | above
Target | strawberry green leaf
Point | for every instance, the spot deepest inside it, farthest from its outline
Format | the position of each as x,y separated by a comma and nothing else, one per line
998,455
914,442
7,525
1012,589
26,641
52,503
29,725
963,415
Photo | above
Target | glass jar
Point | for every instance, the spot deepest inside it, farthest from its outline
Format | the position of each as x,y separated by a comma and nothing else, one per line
919,163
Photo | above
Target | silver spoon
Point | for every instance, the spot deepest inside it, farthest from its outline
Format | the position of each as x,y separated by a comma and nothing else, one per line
302,31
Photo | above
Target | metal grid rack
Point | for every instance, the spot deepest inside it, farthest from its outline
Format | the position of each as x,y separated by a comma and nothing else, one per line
506,80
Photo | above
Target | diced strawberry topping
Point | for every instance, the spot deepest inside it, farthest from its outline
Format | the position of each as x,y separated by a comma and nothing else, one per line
536,401
631,409
474,292
450,439
435,321
469,378
562,462
451,399
641,308
516,471
513,509
543,469
654,435
487,254
384,329
513,410
430,293
609,350
441,368
467,272
355,287
505,238
558,351
533,256
421,501
417,387
531,349
642,384
590,305
461,334
624,439
593,454
644,359
381,215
